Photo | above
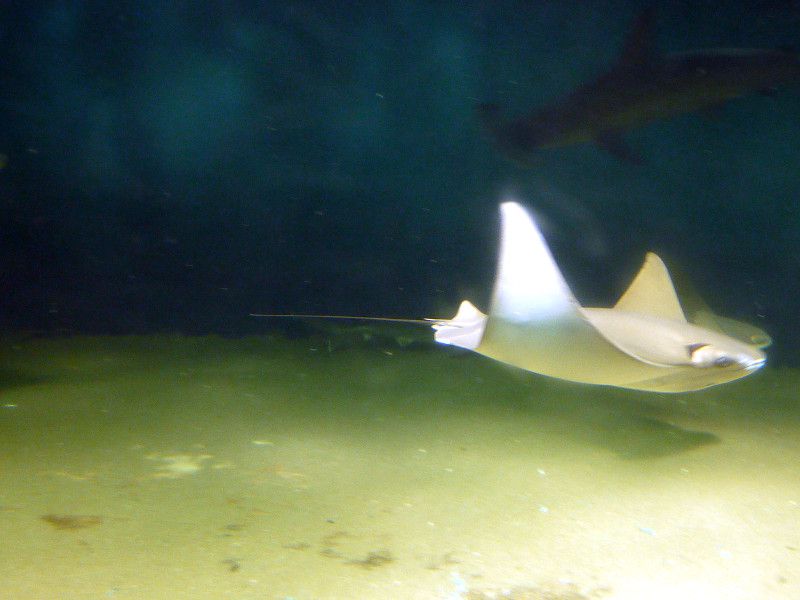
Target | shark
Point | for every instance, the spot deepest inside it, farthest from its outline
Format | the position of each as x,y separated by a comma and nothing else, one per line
644,342
643,86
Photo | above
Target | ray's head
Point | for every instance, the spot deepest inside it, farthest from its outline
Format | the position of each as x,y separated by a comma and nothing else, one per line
708,358
725,354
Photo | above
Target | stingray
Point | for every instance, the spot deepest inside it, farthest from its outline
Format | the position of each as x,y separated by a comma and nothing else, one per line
644,342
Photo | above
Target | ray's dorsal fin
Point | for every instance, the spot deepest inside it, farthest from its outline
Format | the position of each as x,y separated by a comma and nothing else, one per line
652,292
638,51
529,285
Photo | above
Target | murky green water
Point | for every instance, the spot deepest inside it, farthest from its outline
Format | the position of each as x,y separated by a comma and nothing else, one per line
173,467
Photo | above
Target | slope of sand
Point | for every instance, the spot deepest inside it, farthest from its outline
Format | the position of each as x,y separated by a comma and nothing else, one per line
193,468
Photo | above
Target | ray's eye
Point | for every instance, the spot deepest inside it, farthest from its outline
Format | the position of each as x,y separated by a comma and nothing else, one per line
706,355
693,348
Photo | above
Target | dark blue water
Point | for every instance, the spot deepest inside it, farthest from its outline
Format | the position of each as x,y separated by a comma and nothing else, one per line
171,166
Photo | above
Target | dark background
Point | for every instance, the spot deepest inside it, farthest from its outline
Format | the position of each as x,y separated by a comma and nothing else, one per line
174,166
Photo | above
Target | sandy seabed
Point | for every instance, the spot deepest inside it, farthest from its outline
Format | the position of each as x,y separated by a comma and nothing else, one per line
266,468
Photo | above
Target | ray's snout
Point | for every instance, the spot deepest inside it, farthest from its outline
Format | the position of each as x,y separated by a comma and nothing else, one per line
754,364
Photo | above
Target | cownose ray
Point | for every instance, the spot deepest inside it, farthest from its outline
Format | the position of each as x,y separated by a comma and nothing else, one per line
643,342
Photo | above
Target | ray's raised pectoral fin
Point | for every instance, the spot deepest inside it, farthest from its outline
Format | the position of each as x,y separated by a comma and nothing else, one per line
651,292
612,142
535,322
528,286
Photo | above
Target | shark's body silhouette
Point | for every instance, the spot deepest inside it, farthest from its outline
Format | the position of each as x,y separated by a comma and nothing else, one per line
642,87
644,342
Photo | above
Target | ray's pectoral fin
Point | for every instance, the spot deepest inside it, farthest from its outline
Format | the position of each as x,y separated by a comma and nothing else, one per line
529,287
535,322
612,142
